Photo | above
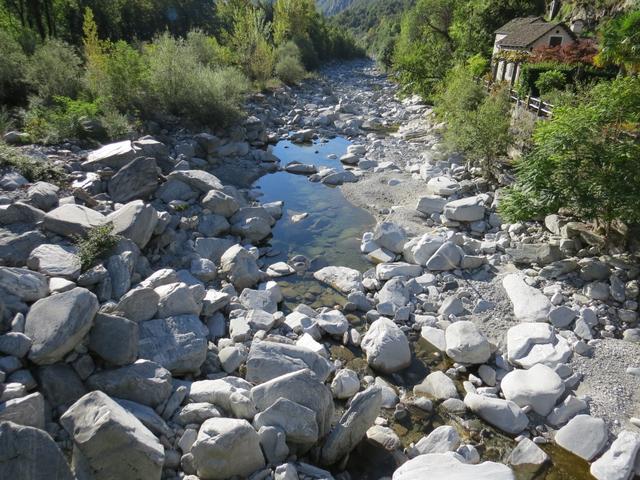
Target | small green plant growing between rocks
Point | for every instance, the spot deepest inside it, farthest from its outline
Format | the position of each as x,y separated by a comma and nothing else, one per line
95,245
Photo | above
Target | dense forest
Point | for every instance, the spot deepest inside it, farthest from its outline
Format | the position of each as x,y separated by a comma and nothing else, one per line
120,62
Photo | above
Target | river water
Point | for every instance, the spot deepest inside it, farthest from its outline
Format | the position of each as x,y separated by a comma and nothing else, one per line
329,235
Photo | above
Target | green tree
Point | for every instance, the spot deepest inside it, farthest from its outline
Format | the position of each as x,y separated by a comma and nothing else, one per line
424,51
584,160
249,40
54,70
477,123
620,43
12,70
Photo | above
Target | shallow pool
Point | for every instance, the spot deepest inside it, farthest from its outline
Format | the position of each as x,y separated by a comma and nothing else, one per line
331,232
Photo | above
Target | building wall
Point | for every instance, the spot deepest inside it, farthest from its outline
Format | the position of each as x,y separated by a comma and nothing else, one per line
556,32
495,43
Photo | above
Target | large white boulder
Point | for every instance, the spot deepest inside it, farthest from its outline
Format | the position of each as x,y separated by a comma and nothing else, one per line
177,343
442,439
268,360
468,209
28,286
584,436
343,279
386,346
111,441
232,394
442,186
55,261
439,466
466,344
618,462
438,386
391,236
240,267
419,250
72,220
301,387
353,425
135,221
531,343
226,447
539,387
56,324
502,414
529,304
447,257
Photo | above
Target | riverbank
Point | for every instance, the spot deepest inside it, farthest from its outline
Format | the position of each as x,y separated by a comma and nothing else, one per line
247,324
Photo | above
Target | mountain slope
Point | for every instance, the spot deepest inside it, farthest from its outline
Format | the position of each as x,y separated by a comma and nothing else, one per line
333,7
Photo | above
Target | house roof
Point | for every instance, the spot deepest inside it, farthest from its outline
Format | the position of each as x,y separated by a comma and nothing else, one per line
516,23
523,32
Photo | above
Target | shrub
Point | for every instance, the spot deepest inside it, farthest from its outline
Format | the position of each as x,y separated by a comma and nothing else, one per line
179,84
54,70
584,160
478,65
620,42
97,243
458,95
289,67
12,69
476,123
530,72
249,43
61,120
32,169
550,80
205,48
582,51
6,121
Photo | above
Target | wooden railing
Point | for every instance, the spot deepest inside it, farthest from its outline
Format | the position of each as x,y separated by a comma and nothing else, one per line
533,104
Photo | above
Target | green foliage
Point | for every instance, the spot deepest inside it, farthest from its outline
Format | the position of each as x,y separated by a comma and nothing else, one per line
12,70
178,83
550,80
478,65
477,122
34,170
249,42
54,70
436,34
97,243
531,72
424,51
289,68
584,160
59,120
620,42
6,121
574,74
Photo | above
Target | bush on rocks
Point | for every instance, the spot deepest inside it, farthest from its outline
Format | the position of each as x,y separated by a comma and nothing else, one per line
95,245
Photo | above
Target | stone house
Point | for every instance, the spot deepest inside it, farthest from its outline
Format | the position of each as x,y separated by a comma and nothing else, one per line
519,37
